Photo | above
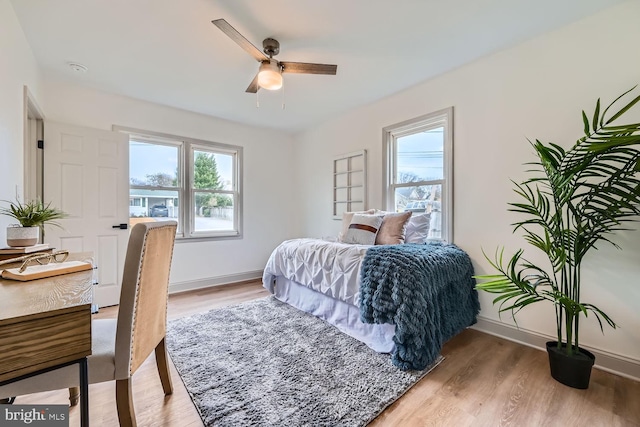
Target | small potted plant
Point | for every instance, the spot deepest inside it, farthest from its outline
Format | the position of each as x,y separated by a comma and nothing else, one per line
575,200
32,217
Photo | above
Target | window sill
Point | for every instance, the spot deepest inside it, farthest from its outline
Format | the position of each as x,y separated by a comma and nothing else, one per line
208,238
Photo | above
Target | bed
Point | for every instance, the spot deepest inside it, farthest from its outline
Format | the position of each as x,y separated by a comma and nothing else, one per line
403,299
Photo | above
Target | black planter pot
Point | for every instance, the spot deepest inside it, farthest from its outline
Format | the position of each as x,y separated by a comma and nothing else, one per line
573,371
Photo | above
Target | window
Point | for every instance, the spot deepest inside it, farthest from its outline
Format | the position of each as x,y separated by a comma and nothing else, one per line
194,182
418,169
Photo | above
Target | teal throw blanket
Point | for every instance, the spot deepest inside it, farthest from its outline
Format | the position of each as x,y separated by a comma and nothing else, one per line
427,291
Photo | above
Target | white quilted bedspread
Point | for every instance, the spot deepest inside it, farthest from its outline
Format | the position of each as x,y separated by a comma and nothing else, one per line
332,268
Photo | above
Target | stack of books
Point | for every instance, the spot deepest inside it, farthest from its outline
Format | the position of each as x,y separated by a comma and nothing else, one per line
8,253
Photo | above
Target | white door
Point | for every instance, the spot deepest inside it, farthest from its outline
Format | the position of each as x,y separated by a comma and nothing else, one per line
86,175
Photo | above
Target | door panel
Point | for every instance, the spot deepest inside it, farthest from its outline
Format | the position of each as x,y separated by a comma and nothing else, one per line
86,175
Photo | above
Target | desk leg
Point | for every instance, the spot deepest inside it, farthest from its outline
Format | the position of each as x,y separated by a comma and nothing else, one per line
84,393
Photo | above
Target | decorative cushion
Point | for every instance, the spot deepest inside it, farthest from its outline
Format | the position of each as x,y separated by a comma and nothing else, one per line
346,221
392,230
363,229
382,213
417,229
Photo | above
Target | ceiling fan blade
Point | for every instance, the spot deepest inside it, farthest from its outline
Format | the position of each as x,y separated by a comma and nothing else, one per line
253,86
240,39
306,68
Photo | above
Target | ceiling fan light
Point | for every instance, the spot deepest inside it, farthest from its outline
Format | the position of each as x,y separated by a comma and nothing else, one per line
269,76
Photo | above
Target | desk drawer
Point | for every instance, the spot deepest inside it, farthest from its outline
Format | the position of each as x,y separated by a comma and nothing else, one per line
36,343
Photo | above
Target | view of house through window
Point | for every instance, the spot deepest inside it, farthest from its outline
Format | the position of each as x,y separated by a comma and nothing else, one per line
418,170
192,182
153,176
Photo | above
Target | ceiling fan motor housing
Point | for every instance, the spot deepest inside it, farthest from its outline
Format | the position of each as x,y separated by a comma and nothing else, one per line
271,47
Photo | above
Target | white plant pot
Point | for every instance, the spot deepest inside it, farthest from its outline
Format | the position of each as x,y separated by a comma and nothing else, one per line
22,236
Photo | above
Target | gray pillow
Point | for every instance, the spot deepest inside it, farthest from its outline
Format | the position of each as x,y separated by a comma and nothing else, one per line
392,230
363,229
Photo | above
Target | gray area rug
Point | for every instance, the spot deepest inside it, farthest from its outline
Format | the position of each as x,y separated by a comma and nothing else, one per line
265,363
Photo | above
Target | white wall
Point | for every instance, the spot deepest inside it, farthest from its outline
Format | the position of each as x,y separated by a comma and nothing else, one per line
534,90
268,200
17,69
267,181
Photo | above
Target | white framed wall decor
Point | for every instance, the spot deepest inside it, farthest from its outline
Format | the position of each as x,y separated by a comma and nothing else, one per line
349,183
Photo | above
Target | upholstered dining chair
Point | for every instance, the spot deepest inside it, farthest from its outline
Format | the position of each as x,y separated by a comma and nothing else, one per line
119,346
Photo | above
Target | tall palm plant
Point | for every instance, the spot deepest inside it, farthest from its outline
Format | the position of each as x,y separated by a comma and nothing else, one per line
575,199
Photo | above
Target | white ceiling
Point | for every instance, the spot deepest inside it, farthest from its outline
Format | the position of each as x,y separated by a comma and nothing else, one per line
168,52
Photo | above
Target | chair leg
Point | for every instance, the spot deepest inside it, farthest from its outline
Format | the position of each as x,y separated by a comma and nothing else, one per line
74,395
163,367
124,402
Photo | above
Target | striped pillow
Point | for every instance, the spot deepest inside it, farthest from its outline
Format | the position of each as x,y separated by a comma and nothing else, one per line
363,229
346,221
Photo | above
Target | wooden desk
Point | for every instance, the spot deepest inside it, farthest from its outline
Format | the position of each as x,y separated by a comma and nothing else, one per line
44,324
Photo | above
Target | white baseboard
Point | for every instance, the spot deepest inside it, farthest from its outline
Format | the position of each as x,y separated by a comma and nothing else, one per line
616,364
213,281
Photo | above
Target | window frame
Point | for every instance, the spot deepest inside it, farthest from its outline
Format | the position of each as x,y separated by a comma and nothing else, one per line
190,149
186,191
390,134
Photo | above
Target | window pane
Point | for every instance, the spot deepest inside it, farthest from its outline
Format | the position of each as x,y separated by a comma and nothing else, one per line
424,198
225,169
357,178
357,163
357,194
212,171
152,164
153,205
342,194
341,180
213,212
355,206
420,156
342,165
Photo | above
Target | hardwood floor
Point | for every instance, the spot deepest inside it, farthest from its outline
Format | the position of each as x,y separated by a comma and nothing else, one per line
483,381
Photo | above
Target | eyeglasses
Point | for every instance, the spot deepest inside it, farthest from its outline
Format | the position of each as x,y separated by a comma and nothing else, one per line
44,259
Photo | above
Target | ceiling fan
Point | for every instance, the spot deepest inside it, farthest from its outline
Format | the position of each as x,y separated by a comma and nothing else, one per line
270,73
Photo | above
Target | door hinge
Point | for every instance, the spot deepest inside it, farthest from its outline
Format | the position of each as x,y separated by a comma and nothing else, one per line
41,144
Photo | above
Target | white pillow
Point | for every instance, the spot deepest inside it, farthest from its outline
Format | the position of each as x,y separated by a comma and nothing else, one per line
363,229
346,221
417,228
